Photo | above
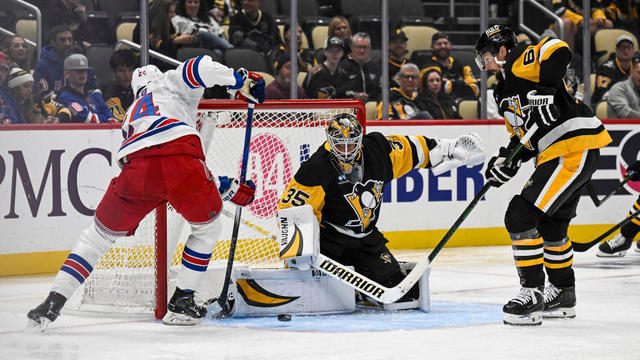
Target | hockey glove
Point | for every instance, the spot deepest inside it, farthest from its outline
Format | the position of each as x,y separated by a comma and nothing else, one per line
498,172
238,193
252,89
542,111
633,171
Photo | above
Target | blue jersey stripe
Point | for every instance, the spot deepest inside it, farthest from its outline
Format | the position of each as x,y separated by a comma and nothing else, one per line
196,254
71,271
185,78
81,261
155,123
153,132
196,73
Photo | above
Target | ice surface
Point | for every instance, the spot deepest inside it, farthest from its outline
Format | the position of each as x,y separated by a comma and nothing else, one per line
468,288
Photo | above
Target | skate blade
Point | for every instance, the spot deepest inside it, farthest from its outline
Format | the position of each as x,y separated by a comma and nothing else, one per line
533,319
38,327
560,313
175,319
616,254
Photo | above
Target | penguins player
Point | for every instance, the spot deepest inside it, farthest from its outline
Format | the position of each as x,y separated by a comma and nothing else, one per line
343,181
565,148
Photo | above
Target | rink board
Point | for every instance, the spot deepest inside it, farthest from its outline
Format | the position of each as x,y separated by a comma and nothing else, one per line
52,177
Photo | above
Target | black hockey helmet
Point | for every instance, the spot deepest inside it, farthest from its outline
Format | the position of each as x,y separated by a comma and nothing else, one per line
492,39
344,135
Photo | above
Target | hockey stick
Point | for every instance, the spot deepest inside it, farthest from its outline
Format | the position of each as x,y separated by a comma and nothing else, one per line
390,295
225,309
594,196
582,247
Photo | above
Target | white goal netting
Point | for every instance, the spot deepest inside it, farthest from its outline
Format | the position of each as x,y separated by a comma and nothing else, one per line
284,134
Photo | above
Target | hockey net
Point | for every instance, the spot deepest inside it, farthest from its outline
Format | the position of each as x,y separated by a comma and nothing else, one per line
131,277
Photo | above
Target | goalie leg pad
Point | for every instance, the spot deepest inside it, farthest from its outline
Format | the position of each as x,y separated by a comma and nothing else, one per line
299,236
92,244
197,253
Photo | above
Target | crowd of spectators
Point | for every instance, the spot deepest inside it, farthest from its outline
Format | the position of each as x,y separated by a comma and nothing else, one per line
62,87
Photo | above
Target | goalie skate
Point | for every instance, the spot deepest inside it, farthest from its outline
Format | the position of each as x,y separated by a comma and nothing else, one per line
45,313
559,303
182,309
525,309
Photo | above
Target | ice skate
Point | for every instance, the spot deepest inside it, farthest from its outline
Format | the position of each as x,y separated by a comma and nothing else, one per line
616,247
559,302
524,309
47,312
183,310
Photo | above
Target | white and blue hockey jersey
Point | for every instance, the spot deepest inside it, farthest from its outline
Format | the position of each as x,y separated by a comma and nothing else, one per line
166,109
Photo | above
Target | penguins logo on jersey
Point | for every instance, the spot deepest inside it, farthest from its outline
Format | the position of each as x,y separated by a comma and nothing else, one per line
386,257
515,114
364,200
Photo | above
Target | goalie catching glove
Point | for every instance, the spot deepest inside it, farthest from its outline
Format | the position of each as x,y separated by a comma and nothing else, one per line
233,190
542,111
451,153
249,86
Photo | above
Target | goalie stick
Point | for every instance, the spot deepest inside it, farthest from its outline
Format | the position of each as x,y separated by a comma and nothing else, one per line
225,308
582,247
388,295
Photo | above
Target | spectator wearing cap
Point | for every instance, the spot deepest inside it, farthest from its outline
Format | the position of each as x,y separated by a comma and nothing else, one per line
85,106
403,100
623,101
254,28
118,93
280,88
615,69
49,72
363,81
458,79
397,50
434,99
9,113
20,85
326,81
307,57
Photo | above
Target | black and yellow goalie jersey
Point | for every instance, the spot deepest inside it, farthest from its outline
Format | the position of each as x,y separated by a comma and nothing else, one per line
348,212
532,67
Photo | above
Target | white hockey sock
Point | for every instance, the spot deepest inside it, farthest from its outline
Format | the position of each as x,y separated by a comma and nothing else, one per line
197,253
79,264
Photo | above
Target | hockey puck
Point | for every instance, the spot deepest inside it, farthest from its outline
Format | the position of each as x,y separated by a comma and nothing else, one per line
284,317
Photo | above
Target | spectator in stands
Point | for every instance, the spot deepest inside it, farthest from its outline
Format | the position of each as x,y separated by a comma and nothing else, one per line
363,81
223,10
326,81
403,100
623,14
162,35
458,79
339,27
615,69
397,50
624,97
571,13
118,93
9,113
20,85
308,59
67,12
16,51
281,87
49,73
436,101
253,28
85,106
192,18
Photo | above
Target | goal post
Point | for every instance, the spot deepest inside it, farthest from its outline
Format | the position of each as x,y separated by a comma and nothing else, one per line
138,272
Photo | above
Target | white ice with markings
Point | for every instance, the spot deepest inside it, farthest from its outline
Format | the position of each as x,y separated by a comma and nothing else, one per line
468,288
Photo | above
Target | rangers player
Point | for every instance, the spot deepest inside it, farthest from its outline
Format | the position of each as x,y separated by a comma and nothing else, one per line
162,160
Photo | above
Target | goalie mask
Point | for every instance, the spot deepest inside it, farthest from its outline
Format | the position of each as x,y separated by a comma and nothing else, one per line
344,135
142,76
491,40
